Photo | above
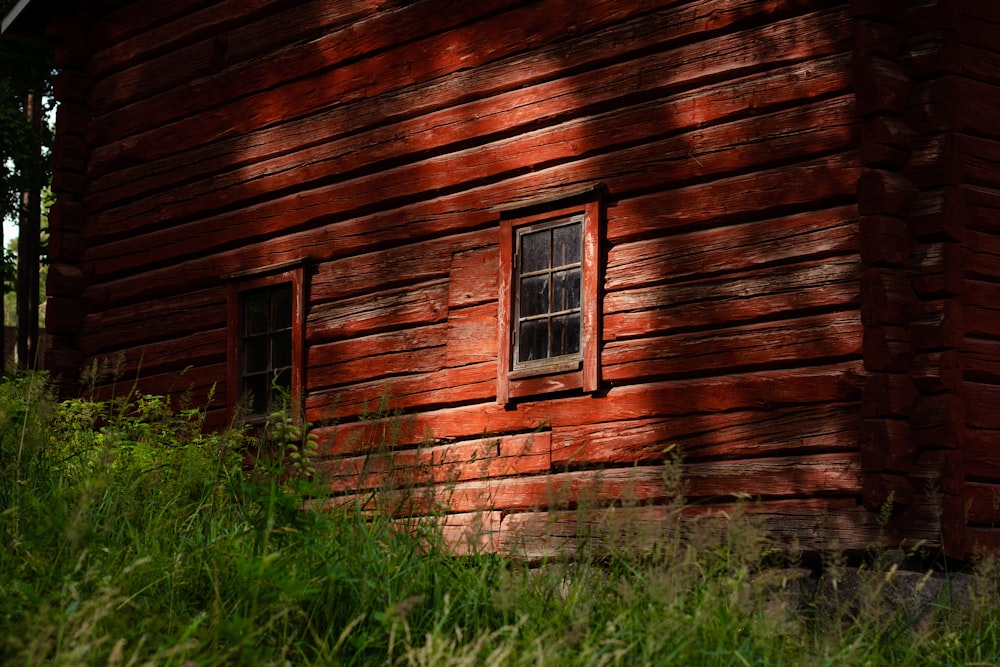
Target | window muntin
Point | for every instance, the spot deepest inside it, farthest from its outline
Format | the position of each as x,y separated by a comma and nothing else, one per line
549,275
266,347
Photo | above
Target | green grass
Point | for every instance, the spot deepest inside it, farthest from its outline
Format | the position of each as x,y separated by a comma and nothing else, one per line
132,538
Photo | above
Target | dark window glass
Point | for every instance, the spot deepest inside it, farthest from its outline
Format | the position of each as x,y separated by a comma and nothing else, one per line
266,348
548,296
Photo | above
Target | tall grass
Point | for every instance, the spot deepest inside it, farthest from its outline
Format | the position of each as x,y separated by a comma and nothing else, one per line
134,538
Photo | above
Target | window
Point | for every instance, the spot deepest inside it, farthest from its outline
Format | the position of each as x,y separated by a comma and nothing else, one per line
265,342
548,309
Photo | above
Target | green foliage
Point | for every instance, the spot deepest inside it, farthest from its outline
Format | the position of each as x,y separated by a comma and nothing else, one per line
24,163
133,537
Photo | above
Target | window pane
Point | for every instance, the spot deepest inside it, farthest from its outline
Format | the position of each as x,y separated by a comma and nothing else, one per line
566,244
534,295
280,388
533,342
565,290
565,334
535,251
281,349
255,354
256,312
256,390
282,308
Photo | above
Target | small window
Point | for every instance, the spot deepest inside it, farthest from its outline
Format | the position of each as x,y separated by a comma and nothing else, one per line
265,342
266,348
548,309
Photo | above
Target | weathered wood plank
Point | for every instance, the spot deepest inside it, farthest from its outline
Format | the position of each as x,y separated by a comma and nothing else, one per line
741,434
980,359
474,277
763,389
805,340
795,133
801,236
723,199
503,77
486,458
811,525
408,391
425,303
472,335
404,263
775,477
981,308
361,358
785,41
823,284
982,408
163,318
128,69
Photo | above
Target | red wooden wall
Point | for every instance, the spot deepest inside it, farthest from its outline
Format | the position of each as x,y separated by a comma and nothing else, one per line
374,139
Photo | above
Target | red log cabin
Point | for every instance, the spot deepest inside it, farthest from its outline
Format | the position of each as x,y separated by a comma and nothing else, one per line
563,238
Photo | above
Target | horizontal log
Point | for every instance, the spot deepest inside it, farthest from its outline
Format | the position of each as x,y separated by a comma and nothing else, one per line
204,389
738,198
64,315
936,372
883,492
763,478
472,335
937,324
882,192
885,141
469,49
787,290
887,445
832,231
939,214
937,270
801,184
468,534
377,367
474,277
933,108
146,63
362,358
180,354
741,434
64,279
982,504
888,395
405,391
524,108
360,38
797,341
887,349
886,297
885,240
980,359
810,525
935,161
982,405
938,421
161,319
955,535
719,149
875,38
982,455
882,86
981,308
758,390
406,263
486,458
426,303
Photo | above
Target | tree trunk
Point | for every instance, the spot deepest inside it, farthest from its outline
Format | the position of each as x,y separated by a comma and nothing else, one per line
28,257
